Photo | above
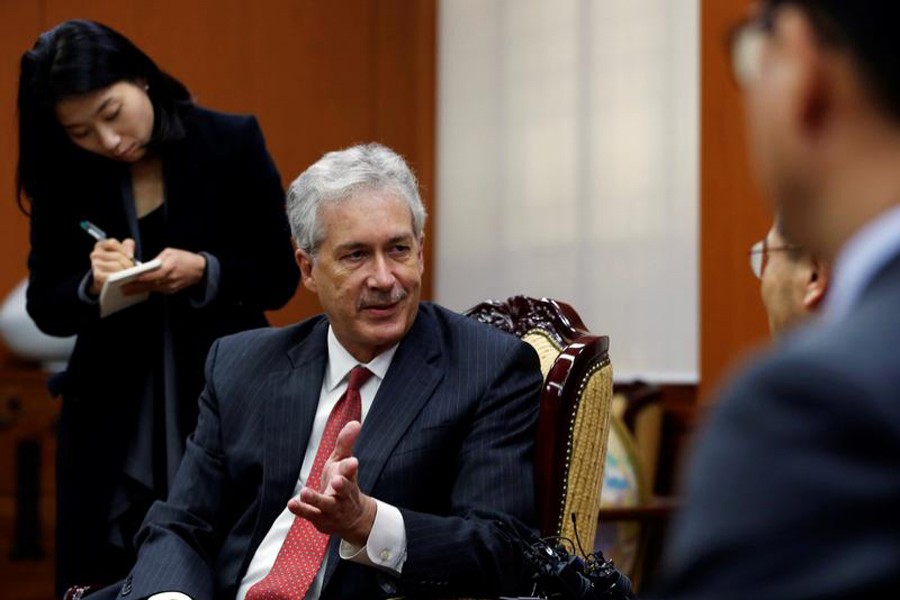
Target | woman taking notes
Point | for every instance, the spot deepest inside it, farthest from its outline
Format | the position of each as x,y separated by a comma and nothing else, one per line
108,139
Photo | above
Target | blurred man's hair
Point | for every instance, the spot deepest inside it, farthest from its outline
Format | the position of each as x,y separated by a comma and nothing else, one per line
868,31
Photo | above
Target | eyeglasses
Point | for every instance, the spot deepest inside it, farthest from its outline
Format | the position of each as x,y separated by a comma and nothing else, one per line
759,255
746,41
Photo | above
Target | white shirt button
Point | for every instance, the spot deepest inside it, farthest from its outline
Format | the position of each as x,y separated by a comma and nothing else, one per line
385,555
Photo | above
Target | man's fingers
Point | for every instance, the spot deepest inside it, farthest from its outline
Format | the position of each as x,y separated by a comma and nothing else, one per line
343,448
322,502
342,510
310,504
342,486
301,509
348,468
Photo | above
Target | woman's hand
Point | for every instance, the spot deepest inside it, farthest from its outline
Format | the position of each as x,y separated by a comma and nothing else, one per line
109,256
180,269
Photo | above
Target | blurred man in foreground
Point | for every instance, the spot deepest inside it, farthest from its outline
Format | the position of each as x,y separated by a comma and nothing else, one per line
794,487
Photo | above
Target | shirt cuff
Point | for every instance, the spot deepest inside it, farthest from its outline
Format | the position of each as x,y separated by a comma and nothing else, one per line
208,292
386,547
170,596
83,294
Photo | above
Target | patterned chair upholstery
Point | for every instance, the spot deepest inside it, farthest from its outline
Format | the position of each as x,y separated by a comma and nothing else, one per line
575,408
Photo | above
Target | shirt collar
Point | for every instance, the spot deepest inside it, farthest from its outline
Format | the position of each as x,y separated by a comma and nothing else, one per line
341,362
867,252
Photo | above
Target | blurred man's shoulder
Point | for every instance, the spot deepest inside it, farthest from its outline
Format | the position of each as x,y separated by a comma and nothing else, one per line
830,370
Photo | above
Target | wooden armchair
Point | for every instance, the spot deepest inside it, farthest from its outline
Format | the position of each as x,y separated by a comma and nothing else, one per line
575,408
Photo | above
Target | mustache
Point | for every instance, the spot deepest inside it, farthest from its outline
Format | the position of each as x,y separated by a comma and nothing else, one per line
372,298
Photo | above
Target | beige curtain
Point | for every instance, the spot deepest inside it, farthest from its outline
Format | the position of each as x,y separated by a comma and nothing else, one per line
568,161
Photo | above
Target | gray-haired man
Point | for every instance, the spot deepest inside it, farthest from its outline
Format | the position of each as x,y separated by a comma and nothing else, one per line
283,494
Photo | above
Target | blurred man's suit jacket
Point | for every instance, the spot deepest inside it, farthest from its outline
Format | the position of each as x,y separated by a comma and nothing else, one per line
794,488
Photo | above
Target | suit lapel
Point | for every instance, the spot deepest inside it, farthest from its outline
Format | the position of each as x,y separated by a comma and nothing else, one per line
293,396
410,382
407,387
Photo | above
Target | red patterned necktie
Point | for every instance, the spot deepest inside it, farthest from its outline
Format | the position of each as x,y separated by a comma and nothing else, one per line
303,549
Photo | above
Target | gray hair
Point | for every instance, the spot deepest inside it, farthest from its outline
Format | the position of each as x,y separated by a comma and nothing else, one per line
337,176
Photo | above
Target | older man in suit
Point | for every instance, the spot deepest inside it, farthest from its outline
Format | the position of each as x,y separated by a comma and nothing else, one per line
283,494
794,489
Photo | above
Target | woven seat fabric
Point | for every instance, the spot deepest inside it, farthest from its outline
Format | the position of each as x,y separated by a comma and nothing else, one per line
588,458
547,349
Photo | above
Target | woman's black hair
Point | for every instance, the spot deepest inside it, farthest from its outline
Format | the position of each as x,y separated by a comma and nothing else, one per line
74,58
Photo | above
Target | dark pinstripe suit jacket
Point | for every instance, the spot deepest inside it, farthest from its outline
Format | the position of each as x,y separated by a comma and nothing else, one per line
448,440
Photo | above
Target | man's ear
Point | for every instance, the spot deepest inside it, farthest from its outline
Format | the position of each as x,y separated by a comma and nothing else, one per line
817,286
305,262
808,80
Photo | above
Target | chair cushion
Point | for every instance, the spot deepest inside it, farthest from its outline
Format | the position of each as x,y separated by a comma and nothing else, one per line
547,349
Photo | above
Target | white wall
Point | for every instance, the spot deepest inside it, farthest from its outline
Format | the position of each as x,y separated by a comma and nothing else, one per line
568,167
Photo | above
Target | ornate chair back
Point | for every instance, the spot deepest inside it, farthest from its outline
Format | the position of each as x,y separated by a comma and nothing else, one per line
575,407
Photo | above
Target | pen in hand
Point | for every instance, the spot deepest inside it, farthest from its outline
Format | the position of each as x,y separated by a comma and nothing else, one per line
99,235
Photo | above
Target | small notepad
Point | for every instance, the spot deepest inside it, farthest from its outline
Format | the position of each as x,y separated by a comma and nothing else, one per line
112,300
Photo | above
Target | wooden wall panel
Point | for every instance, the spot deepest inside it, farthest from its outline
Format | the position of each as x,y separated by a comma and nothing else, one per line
318,75
732,214
20,22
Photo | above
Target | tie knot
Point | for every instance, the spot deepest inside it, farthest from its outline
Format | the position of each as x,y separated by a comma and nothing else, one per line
359,375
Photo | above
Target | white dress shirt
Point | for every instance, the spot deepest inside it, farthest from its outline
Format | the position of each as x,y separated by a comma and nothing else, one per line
860,260
386,546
